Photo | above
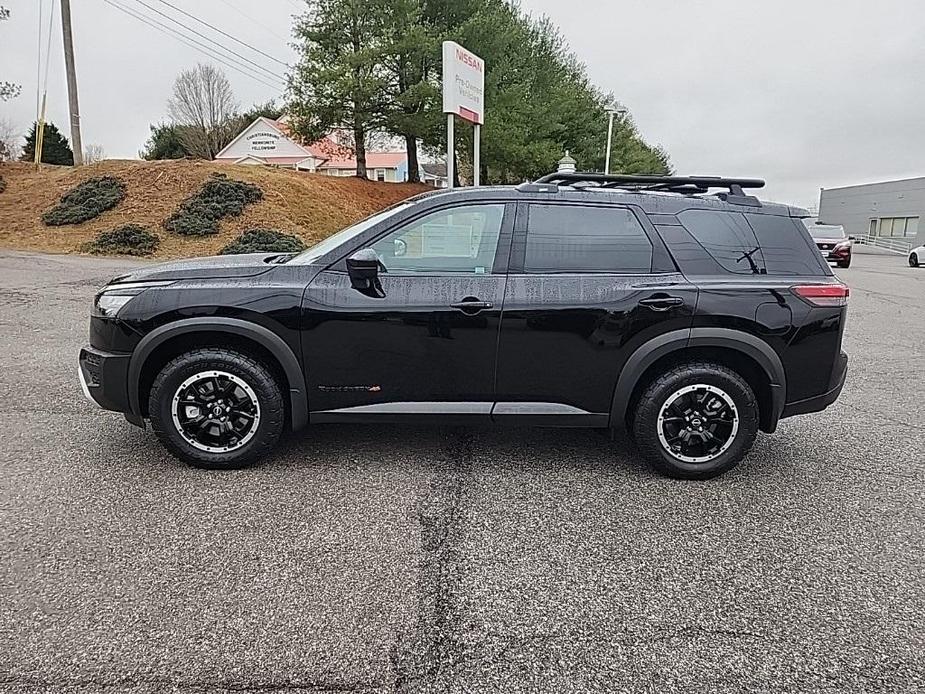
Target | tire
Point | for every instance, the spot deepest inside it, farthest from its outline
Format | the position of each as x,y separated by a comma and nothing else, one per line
914,260
736,423
844,263
229,377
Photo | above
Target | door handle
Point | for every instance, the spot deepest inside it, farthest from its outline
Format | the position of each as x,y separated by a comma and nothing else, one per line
471,305
661,303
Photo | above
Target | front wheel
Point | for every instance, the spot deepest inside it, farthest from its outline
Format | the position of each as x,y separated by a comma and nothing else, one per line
844,263
696,421
216,408
913,260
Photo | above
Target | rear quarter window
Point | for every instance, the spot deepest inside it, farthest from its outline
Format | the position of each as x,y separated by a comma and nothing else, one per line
786,246
726,237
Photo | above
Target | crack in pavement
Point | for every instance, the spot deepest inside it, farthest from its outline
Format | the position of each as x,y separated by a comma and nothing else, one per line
431,645
97,684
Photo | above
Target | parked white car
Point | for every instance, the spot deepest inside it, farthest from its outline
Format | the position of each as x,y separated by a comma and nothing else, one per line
917,256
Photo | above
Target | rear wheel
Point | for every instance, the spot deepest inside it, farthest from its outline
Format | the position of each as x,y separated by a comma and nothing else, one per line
696,421
914,260
216,408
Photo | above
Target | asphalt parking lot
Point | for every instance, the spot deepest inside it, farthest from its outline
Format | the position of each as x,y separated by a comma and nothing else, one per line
379,559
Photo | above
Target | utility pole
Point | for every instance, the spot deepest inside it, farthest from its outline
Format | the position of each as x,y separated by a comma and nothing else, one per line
71,82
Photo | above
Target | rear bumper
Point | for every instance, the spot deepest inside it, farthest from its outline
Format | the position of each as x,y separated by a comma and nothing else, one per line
820,402
104,379
836,256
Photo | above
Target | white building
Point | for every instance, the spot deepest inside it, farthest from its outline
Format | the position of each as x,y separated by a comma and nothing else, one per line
267,142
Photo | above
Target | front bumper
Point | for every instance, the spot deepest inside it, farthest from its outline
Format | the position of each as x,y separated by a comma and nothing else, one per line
820,402
104,378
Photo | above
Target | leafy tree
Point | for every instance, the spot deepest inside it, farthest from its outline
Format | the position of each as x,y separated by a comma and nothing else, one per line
55,147
338,81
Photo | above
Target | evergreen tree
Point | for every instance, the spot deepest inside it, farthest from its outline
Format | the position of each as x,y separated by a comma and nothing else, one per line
55,147
165,143
338,82
377,65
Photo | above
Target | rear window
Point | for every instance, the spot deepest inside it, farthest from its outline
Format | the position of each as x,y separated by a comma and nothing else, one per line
726,237
785,245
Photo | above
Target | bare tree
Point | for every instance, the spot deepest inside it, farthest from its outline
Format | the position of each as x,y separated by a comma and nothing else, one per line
94,154
8,90
202,102
10,140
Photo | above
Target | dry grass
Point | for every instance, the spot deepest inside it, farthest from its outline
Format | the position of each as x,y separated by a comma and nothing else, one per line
311,206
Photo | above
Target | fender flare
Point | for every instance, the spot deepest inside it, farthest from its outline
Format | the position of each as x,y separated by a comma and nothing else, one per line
656,348
266,338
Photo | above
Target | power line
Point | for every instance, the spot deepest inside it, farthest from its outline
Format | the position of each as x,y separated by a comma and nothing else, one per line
223,33
192,43
212,41
254,20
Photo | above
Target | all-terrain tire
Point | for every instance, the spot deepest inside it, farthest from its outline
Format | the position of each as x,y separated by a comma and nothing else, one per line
646,425
272,408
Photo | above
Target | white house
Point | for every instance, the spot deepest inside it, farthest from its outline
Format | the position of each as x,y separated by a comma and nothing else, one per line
267,142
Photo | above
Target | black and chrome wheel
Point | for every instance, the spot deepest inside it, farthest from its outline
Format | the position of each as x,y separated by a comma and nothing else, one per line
698,423
216,411
216,408
914,260
696,420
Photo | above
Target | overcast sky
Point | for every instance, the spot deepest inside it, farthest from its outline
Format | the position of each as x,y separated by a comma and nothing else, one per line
805,94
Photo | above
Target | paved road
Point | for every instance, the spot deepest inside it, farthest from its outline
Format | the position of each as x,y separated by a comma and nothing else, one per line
373,559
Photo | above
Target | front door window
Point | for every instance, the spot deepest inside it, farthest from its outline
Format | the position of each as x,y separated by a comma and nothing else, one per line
461,240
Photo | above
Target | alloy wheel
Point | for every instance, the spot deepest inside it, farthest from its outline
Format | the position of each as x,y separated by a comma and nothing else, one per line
215,411
698,423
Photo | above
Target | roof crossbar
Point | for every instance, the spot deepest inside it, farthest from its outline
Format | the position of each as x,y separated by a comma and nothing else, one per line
680,184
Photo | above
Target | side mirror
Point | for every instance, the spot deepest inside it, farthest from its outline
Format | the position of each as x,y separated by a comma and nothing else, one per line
363,268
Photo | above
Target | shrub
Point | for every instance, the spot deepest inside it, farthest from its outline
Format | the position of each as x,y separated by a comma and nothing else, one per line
130,239
86,201
264,241
219,197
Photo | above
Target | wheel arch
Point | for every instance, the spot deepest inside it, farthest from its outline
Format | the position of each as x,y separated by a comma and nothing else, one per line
190,332
745,353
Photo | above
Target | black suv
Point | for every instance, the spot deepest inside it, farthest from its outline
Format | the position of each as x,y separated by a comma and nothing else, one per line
691,319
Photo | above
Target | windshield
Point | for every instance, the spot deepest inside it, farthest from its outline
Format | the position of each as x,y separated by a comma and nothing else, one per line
826,231
319,249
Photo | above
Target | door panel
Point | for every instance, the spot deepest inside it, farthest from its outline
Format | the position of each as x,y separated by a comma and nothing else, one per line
408,346
564,338
424,342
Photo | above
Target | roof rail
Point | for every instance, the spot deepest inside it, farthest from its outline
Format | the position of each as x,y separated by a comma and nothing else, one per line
667,184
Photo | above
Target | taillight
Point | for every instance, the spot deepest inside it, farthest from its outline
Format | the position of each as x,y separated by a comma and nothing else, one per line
823,294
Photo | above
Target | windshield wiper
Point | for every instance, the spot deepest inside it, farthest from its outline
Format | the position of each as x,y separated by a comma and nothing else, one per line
754,266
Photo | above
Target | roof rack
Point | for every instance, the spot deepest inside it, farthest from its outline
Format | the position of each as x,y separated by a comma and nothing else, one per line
670,184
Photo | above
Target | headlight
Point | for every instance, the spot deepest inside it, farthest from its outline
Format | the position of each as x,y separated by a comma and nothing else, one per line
108,305
113,297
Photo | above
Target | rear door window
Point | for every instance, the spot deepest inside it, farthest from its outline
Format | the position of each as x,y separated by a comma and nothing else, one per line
786,246
585,239
726,237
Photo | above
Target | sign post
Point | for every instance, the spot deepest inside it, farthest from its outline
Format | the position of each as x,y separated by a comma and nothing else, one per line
463,96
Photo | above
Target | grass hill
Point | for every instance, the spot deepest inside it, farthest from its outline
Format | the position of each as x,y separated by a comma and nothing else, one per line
310,206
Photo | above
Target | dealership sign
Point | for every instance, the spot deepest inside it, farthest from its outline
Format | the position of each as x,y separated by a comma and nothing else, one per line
463,83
